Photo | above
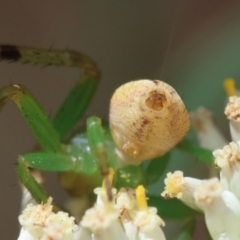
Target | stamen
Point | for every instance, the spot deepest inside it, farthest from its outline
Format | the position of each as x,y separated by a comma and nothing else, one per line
141,198
229,86
174,185
111,173
126,199
107,183
39,222
36,214
232,110
229,154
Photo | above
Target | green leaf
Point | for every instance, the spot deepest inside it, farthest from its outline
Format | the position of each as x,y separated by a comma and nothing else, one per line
156,168
184,235
170,209
198,152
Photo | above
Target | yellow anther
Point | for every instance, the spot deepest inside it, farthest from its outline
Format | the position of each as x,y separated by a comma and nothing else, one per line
141,198
229,86
111,173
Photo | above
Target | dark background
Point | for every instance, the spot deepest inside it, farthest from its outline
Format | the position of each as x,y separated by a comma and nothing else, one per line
129,40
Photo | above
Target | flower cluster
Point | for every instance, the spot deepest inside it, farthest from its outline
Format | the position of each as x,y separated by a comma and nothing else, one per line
217,198
39,222
125,217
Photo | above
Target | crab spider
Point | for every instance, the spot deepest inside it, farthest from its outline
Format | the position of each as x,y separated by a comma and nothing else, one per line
85,159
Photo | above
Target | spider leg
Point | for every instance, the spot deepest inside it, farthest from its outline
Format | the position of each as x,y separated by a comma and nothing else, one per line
98,149
26,178
35,117
77,101
58,162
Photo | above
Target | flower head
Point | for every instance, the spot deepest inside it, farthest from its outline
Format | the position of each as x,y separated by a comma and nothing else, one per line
221,209
39,222
127,216
232,110
228,159
176,185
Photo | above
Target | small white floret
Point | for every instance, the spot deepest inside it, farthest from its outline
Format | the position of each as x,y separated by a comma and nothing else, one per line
228,159
221,210
176,185
40,223
232,112
209,136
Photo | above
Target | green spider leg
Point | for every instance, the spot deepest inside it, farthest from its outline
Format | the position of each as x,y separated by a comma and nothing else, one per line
34,116
49,134
41,127
92,166
77,101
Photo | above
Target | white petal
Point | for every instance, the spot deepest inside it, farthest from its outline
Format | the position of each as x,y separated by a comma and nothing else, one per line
155,234
209,136
148,224
234,130
82,234
232,202
228,159
182,188
222,221
103,223
232,112
25,235
188,193
130,229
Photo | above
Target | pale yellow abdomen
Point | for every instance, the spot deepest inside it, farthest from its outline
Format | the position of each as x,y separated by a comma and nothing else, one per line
147,119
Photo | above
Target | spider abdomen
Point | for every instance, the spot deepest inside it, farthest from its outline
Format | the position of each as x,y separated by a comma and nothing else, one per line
147,119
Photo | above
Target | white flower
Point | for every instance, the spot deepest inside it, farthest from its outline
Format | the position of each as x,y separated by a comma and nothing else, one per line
40,223
103,223
126,199
221,210
122,216
228,159
102,197
59,226
232,112
208,134
103,219
218,199
126,204
127,216
176,185
148,224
